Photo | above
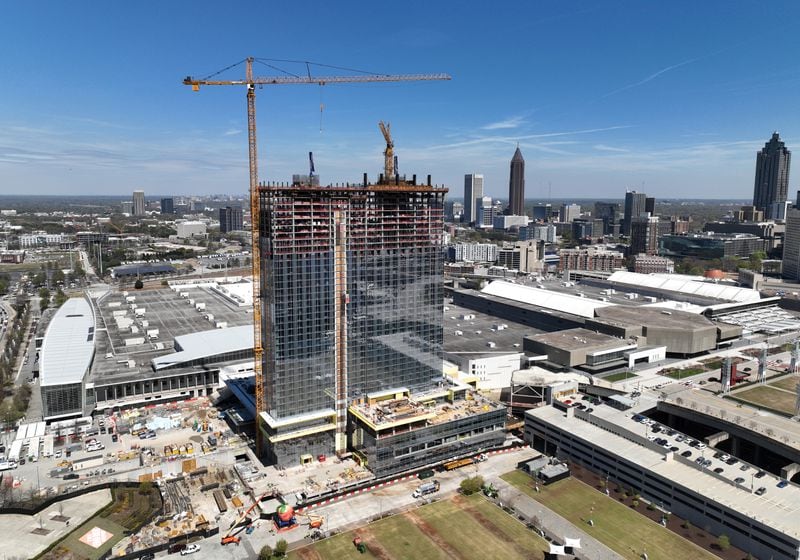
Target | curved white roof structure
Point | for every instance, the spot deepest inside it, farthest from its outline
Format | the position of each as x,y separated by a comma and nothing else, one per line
68,346
547,299
681,285
205,344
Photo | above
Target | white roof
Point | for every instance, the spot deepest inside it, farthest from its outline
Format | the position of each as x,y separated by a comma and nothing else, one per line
545,298
68,345
203,344
680,284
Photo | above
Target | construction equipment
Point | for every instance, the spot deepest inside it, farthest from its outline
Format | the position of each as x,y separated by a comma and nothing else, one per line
260,285
314,521
388,154
229,537
360,545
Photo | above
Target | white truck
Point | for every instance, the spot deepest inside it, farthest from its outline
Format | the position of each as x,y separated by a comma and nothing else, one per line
427,488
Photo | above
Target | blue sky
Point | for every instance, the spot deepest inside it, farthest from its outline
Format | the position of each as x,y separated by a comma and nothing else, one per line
673,97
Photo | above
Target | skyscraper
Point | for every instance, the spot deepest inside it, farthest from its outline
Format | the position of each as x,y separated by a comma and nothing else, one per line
138,203
516,185
772,175
635,204
167,206
352,310
791,246
609,213
644,235
473,193
230,219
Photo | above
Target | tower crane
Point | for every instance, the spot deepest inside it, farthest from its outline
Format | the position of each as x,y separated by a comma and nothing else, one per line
261,283
388,155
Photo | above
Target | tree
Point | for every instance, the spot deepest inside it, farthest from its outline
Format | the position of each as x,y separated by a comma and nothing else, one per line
58,276
265,553
471,485
281,547
44,295
138,284
724,542
60,298
39,280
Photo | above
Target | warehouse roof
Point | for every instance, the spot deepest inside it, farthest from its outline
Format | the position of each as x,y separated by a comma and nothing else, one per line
205,344
682,285
68,345
548,299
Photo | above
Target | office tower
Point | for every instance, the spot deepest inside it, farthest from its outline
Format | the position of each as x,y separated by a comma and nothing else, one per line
791,246
473,193
772,175
138,203
230,219
126,206
650,205
486,213
516,185
457,212
352,329
635,203
167,206
542,212
644,235
609,213
570,211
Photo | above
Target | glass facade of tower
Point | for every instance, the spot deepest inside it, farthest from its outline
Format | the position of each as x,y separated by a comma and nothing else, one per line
353,290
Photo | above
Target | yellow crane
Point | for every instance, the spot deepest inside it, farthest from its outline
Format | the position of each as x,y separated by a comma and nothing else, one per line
259,282
388,155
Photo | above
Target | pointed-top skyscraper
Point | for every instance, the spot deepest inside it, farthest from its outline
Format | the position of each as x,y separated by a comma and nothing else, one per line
516,185
772,176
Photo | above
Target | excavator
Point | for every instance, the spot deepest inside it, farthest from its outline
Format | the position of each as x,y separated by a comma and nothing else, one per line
230,537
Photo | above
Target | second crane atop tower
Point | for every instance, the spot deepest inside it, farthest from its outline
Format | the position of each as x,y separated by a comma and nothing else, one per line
388,155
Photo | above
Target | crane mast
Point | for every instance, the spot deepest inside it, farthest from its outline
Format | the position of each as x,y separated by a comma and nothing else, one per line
261,280
388,154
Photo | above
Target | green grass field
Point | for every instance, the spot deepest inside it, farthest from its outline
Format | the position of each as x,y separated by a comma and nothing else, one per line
72,547
619,376
787,383
615,525
462,527
128,511
769,397
687,372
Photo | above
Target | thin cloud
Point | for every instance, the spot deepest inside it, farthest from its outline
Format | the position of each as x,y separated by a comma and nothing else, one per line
606,148
512,122
514,139
652,76
232,132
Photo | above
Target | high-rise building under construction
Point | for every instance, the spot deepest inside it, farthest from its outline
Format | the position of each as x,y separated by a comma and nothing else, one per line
352,325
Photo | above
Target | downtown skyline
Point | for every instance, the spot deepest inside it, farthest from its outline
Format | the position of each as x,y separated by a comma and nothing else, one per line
680,115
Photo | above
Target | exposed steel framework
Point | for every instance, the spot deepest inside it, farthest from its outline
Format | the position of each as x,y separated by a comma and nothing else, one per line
261,283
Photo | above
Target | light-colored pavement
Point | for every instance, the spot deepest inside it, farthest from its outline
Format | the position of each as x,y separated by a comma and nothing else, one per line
22,542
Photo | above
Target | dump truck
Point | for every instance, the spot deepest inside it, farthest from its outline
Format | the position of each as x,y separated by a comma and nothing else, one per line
427,488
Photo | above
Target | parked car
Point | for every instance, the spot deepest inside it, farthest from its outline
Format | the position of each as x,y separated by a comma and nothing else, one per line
719,470
783,484
739,480
761,491
761,474
191,549
686,453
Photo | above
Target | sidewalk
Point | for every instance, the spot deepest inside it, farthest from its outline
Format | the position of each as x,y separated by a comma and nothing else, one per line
555,526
